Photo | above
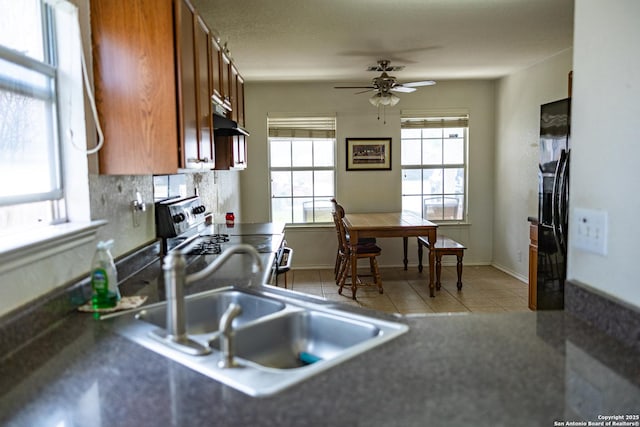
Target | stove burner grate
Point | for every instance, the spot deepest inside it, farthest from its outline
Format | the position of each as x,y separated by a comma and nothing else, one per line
209,244
215,238
205,248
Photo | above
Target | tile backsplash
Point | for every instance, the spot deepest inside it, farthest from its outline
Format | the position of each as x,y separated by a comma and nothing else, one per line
112,197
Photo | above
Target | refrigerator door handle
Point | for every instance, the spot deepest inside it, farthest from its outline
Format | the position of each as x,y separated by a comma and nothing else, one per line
556,200
563,201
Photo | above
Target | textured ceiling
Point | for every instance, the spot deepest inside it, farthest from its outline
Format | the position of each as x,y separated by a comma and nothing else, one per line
336,40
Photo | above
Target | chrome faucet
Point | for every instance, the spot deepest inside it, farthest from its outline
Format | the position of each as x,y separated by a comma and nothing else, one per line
227,335
175,278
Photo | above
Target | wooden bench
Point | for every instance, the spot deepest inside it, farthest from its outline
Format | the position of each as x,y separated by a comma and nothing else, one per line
443,246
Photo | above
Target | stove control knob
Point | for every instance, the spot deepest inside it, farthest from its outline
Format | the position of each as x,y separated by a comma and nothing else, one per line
198,210
177,218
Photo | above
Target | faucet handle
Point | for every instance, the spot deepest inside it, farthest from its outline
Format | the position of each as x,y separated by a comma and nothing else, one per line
226,334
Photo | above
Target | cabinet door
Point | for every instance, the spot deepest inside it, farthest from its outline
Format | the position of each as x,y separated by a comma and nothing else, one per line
134,79
225,72
185,20
231,152
240,100
203,84
233,91
216,74
240,152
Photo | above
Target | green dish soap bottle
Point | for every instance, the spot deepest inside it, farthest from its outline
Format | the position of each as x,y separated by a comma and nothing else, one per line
104,277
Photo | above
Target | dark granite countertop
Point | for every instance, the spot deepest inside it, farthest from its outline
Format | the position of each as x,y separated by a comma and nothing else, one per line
459,369
490,369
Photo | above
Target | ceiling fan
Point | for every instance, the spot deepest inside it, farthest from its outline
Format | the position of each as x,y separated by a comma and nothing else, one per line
384,85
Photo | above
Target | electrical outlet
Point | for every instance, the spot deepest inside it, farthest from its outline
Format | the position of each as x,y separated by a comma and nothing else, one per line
589,230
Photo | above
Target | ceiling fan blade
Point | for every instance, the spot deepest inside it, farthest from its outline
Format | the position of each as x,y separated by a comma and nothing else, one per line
368,90
400,88
354,87
418,84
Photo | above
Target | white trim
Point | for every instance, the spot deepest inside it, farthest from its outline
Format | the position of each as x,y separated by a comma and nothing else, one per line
26,248
511,273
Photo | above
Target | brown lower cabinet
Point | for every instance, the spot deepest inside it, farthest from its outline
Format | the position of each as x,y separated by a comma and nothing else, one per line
533,265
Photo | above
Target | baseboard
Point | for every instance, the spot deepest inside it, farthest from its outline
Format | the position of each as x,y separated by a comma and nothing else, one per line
444,263
511,273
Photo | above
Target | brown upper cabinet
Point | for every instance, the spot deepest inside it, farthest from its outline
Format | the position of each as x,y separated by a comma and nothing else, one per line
135,85
225,80
156,70
216,72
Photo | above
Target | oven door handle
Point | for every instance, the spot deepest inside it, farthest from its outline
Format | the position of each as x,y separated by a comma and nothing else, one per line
285,256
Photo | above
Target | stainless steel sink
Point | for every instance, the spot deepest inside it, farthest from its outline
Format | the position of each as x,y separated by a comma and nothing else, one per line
279,340
300,339
204,310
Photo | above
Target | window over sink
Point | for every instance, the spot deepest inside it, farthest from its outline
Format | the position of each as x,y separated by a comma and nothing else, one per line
30,156
302,168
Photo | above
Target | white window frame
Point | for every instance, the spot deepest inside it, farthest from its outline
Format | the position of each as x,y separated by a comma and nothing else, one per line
74,226
307,128
47,68
442,121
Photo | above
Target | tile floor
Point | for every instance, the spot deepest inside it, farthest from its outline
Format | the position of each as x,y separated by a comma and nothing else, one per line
485,289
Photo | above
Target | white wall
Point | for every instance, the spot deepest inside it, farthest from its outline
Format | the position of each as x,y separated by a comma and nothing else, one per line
606,141
367,191
518,101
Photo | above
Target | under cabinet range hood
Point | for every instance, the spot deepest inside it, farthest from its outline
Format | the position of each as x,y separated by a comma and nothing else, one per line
223,126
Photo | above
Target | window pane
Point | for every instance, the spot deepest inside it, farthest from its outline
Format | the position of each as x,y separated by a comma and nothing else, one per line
280,184
433,208
281,210
432,133
454,181
432,181
410,133
454,132
453,212
412,181
302,153
303,210
323,154
453,151
302,183
21,27
412,204
323,209
280,153
411,150
432,152
26,152
323,183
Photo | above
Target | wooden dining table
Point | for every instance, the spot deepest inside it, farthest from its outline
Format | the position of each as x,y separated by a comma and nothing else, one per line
390,224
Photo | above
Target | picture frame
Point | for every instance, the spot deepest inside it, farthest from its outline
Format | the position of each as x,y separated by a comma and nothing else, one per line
368,154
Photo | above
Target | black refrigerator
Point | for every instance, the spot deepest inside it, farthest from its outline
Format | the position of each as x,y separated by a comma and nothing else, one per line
553,205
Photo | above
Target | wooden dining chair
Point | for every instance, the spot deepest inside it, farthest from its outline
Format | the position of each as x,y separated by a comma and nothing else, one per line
339,211
363,250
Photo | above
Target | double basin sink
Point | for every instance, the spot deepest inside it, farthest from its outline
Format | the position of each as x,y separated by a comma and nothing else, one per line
279,340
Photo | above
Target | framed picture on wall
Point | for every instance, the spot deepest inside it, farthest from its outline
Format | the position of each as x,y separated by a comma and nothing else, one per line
368,154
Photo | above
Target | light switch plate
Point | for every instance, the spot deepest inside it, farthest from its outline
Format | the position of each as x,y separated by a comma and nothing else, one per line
589,230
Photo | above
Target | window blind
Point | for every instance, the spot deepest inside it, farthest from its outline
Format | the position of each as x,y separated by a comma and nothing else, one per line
420,120
302,127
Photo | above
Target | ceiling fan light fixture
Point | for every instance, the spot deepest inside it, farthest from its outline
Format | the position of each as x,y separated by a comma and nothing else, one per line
385,99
